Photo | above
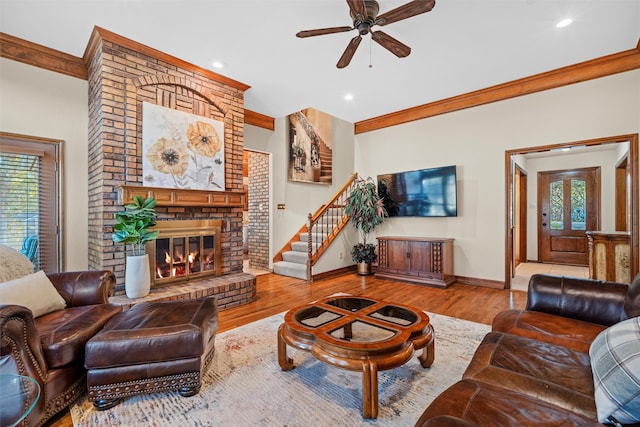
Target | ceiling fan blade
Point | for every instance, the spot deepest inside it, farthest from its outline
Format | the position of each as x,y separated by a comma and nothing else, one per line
405,11
322,31
349,51
357,8
392,45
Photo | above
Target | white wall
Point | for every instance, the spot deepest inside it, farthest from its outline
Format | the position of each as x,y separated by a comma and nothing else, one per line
476,140
36,102
46,104
300,198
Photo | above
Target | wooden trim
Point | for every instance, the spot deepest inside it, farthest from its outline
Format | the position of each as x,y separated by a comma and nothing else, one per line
40,56
622,176
588,70
259,120
182,197
350,269
485,283
106,35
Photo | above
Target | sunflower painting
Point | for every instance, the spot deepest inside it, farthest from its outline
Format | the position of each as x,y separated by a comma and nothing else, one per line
181,150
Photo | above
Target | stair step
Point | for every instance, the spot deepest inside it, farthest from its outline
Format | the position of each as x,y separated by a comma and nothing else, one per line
316,238
302,246
290,269
321,228
295,256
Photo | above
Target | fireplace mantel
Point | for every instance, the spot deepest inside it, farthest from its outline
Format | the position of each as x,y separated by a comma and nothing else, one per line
182,197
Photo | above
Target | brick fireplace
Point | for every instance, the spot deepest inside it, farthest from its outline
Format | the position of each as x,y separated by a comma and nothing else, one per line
122,75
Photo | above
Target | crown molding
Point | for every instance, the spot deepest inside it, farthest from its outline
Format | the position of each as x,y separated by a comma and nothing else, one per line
100,34
36,55
40,56
600,67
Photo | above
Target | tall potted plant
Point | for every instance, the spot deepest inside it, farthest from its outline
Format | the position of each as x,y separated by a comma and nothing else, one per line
366,213
132,227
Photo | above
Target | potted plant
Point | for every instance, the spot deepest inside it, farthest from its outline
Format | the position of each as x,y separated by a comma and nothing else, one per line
132,227
366,213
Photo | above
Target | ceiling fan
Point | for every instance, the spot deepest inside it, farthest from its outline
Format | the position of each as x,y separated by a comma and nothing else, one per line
365,15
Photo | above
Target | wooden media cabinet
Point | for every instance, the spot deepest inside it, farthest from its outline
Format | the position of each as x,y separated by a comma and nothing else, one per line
422,260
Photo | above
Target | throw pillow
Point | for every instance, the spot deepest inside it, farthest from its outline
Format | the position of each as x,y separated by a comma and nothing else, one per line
35,291
13,264
615,362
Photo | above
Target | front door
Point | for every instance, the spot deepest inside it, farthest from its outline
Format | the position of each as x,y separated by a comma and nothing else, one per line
569,205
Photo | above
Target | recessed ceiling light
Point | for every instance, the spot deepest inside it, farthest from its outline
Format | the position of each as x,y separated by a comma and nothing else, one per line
564,23
348,97
218,64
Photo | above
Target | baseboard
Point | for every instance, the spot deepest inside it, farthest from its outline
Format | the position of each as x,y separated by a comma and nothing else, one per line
334,273
494,284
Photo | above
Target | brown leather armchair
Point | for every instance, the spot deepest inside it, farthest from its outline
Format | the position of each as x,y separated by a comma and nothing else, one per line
50,348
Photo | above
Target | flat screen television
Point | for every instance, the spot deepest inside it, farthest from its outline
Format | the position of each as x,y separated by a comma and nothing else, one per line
422,193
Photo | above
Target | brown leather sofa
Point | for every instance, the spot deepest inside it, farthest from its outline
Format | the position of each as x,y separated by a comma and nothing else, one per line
534,367
51,348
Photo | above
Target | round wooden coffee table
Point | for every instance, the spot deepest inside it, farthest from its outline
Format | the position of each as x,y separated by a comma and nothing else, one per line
359,334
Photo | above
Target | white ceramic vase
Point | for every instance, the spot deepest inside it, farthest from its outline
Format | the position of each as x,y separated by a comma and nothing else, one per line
137,279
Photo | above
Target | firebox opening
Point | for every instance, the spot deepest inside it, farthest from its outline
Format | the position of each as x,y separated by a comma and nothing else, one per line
184,250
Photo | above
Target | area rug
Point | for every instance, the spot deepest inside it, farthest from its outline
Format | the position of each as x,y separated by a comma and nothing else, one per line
245,386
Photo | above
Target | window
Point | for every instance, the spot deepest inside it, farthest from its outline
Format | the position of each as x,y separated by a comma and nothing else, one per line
30,198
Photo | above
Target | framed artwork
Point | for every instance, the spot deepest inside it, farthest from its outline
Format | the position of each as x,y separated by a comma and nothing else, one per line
310,147
181,150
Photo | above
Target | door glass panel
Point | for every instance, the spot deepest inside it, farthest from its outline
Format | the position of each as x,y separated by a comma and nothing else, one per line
578,203
556,196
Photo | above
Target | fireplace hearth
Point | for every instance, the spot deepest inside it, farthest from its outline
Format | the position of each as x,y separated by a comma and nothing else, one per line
185,250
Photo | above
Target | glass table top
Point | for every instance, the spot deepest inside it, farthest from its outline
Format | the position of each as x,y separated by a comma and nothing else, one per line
397,315
314,317
18,397
351,304
356,319
361,332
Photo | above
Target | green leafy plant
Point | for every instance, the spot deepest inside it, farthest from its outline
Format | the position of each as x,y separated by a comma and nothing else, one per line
362,252
132,224
366,213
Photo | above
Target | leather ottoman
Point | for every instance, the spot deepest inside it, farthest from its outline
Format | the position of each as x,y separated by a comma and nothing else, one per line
153,347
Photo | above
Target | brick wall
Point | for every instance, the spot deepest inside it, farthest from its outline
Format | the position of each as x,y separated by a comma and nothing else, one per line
122,75
258,233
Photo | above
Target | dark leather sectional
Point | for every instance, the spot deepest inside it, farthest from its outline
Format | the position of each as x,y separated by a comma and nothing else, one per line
533,369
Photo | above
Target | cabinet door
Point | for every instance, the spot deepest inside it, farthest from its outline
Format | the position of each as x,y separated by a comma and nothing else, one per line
398,255
420,256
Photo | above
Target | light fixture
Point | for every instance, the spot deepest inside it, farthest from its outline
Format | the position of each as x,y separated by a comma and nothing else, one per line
563,23
348,97
218,64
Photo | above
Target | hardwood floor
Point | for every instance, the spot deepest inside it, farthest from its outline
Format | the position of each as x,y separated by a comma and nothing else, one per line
279,293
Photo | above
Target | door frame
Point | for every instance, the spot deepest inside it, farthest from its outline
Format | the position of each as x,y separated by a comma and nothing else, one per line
634,187
520,226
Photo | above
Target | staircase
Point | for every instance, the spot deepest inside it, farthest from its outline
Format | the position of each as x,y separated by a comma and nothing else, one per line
304,249
326,162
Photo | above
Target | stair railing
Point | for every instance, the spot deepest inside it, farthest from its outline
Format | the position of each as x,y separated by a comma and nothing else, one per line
323,226
326,223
